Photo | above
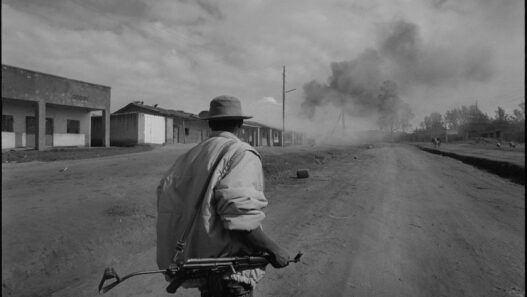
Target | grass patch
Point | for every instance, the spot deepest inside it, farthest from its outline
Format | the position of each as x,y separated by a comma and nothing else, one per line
69,153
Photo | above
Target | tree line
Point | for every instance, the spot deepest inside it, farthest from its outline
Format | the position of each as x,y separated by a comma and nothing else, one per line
469,122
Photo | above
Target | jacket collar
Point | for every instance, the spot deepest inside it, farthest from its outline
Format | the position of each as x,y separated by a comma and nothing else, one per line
223,134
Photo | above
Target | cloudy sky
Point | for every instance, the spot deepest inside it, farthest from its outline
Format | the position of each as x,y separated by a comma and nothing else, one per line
181,54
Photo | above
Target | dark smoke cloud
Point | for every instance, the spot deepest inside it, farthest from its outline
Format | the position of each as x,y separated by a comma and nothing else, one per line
412,62
402,59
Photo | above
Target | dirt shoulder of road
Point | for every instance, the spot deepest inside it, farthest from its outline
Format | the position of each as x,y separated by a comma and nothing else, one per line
506,162
61,226
490,151
68,153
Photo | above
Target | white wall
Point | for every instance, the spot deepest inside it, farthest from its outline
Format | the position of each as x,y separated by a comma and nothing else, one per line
19,111
154,129
59,114
8,140
65,139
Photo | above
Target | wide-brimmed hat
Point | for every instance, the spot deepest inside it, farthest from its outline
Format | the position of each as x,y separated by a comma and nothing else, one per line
224,108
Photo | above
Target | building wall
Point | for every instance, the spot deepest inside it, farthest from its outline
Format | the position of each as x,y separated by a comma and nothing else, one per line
276,137
8,140
249,134
140,127
131,128
124,129
154,129
59,114
264,136
25,84
198,131
19,110
169,124
190,131
63,98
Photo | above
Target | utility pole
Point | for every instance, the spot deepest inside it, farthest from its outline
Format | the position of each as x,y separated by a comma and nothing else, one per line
343,123
283,106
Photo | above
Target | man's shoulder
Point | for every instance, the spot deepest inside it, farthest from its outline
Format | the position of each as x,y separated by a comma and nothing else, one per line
236,146
241,147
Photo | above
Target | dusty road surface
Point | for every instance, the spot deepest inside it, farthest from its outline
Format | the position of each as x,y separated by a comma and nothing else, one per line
389,220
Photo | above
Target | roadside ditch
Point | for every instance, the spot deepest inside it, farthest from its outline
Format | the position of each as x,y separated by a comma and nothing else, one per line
513,172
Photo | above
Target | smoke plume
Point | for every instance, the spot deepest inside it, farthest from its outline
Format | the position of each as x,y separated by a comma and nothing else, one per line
369,85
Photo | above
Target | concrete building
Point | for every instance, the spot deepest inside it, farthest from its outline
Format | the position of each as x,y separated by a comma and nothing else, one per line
138,123
181,127
42,110
128,129
250,133
257,134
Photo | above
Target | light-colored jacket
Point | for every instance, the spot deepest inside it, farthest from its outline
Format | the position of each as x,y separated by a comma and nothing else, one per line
234,200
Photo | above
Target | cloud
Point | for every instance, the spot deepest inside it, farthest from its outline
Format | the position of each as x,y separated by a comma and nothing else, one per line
270,100
181,54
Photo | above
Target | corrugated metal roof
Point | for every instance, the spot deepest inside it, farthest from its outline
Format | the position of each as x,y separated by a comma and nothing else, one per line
160,111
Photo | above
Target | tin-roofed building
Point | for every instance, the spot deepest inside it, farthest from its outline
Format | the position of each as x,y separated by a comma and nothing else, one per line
181,126
139,123
43,110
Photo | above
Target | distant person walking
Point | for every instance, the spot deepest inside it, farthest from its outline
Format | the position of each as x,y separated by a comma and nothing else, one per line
435,142
229,220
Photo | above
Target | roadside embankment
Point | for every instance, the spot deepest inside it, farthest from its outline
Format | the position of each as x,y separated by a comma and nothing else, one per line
515,171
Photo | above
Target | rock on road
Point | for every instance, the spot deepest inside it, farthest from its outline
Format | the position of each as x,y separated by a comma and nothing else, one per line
395,221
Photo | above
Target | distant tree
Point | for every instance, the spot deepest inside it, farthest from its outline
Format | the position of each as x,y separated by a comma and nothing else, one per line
501,116
434,121
422,125
473,121
476,116
453,118
519,114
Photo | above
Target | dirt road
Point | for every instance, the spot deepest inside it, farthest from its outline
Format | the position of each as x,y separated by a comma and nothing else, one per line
385,221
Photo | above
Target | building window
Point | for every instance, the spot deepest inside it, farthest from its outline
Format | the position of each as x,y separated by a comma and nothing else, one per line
7,123
73,127
187,132
31,125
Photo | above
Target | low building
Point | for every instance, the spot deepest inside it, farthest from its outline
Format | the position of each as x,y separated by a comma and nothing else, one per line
257,134
250,133
139,123
128,129
42,110
181,127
